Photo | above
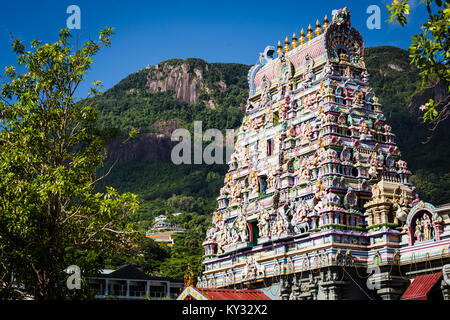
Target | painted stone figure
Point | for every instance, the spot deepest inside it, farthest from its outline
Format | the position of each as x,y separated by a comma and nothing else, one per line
418,232
264,224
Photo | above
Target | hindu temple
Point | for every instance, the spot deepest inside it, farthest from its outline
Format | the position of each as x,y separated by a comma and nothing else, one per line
317,202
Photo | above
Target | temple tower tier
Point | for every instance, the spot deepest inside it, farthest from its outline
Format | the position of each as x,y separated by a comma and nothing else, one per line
317,197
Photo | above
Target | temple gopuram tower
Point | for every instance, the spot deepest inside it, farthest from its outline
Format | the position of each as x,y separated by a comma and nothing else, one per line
317,197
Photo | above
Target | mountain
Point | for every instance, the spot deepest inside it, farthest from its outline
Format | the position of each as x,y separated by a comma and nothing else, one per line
157,100
174,93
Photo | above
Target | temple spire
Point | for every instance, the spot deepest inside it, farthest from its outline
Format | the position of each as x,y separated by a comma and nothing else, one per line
294,41
325,23
287,48
302,37
310,34
279,48
318,30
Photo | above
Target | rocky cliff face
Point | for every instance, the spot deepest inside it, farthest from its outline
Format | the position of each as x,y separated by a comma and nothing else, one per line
146,147
186,81
159,99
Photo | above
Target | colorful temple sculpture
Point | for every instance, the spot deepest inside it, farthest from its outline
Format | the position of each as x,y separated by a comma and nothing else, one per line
317,202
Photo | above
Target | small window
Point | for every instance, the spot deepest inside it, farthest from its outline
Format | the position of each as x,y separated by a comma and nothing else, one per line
290,166
276,118
269,147
262,185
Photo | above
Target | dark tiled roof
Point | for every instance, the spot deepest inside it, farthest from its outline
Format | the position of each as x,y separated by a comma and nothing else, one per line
131,272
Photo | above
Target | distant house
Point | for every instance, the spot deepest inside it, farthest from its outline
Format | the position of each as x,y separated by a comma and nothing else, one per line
130,282
162,230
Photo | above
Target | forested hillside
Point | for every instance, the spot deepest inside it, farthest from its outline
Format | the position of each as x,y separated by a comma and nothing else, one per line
158,99
398,85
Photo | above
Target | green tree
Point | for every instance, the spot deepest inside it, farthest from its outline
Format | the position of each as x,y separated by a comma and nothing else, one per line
151,254
50,148
430,51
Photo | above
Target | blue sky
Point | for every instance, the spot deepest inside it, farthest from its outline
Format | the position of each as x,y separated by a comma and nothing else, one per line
147,32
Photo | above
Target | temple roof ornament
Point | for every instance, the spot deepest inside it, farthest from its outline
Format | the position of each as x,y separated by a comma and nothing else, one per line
325,22
310,34
294,41
287,48
318,30
302,37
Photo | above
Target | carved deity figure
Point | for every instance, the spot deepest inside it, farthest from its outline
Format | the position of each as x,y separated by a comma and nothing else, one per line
321,117
221,237
327,69
305,171
306,102
300,216
306,134
364,129
357,98
348,72
236,194
365,76
277,227
242,227
265,95
259,268
271,177
283,111
309,74
264,223
418,231
254,181
427,228
319,194
262,146
373,166
249,269
378,125
342,119
350,199
343,57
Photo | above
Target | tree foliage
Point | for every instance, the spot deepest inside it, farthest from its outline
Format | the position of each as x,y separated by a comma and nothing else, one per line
50,146
430,51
